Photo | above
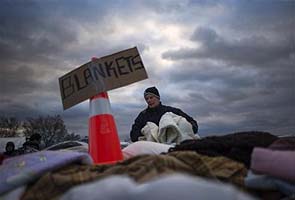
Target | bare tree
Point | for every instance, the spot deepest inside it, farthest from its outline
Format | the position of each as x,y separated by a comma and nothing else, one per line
51,128
9,126
72,136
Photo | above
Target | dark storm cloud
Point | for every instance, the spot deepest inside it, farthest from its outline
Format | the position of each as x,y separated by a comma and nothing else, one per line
263,99
34,42
16,77
247,51
261,15
44,30
241,75
251,33
210,90
31,29
218,95
39,32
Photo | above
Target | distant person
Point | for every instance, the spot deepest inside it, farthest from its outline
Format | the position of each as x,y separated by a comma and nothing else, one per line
153,113
33,144
10,150
35,139
30,147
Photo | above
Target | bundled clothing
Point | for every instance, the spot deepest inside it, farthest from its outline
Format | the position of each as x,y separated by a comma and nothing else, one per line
172,129
237,146
154,115
144,148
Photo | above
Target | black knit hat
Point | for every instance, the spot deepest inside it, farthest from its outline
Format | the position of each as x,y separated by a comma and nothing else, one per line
153,91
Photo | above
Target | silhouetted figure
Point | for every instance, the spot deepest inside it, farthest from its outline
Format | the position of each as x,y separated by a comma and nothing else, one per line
33,144
35,139
10,150
30,147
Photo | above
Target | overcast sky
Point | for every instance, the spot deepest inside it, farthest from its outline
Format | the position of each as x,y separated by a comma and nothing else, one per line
229,64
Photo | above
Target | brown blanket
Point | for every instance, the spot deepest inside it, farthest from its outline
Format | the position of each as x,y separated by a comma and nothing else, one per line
141,169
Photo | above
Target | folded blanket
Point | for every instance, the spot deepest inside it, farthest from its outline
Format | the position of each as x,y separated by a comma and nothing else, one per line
279,164
145,147
20,170
265,182
172,129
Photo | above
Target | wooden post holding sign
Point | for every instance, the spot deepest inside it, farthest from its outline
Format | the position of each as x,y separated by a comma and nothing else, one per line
92,80
102,74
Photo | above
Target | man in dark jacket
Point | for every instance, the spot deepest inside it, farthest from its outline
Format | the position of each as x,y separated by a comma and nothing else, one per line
154,112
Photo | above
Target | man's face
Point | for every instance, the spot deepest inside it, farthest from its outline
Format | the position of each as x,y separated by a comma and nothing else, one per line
152,101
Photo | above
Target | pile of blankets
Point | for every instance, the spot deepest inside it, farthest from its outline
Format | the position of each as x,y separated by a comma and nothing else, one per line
270,160
246,165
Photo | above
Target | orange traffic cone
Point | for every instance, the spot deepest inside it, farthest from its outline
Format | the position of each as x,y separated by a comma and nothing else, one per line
104,143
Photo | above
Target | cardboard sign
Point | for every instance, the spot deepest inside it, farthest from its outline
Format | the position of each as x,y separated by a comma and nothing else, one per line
102,74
